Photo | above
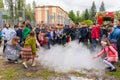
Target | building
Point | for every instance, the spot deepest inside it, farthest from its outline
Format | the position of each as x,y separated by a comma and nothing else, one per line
51,15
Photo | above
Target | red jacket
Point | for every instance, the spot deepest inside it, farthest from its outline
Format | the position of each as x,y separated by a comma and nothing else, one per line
95,32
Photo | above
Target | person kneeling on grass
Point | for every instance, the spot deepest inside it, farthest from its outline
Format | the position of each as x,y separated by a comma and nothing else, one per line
112,54
13,50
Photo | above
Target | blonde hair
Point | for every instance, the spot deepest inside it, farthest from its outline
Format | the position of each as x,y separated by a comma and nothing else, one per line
15,41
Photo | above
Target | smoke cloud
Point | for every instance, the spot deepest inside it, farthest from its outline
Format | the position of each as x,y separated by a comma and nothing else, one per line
73,57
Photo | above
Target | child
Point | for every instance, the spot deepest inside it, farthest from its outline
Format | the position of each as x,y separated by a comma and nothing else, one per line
112,54
46,43
30,43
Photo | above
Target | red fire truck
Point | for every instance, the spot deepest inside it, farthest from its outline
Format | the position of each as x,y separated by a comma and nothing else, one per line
105,17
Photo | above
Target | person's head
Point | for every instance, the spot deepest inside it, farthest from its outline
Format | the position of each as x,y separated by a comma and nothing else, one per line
37,26
32,34
83,24
15,40
22,26
16,27
105,42
0,28
24,23
19,24
110,29
46,39
118,22
27,22
7,25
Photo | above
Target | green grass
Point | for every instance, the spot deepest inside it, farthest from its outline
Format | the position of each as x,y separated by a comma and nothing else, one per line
9,74
116,74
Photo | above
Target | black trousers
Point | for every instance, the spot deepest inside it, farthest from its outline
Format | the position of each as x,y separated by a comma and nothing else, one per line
5,41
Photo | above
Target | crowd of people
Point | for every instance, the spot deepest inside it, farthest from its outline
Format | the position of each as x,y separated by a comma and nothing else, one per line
22,41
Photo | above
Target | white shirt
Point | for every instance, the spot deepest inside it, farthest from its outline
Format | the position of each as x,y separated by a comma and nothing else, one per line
8,33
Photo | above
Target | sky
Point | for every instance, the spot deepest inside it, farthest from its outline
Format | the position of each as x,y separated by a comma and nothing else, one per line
79,5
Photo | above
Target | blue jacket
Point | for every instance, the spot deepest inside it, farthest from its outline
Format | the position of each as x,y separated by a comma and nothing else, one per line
1,35
114,35
19,34
48,35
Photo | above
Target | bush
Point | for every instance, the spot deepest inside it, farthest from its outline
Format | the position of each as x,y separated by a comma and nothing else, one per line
88,22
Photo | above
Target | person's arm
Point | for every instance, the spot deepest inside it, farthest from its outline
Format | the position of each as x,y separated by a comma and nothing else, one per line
38,44
99,54
96,35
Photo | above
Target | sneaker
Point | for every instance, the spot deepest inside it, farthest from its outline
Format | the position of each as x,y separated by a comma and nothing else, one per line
25,65
19,61
16,62
112,70
34,64
108,67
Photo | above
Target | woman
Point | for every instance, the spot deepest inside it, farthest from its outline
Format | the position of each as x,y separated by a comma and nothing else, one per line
8,34
13,50
30,43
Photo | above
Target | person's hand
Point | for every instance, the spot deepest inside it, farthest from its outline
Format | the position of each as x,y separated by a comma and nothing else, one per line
97,39
3,38
94,57
36,55
39,46
79,36
116,60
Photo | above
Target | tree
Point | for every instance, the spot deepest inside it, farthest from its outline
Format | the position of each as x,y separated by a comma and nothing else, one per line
33,10
93,12
86,14
33,5
20,7
102,7
77,17
16,9
1,4
71,15
10,5
28,12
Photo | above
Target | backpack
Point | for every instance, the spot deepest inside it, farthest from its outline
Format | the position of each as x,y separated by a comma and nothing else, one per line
114,46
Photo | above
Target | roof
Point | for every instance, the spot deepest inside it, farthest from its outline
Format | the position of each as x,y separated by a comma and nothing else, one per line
51,6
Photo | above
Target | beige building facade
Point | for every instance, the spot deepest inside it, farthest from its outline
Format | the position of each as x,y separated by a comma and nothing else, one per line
51,15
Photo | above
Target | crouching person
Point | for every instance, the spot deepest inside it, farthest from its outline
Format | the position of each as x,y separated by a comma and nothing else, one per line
112,54
13,50
46,43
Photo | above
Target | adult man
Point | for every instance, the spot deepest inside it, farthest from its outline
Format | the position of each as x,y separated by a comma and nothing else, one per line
114,35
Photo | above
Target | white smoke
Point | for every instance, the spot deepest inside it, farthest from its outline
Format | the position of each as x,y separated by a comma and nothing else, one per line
73,57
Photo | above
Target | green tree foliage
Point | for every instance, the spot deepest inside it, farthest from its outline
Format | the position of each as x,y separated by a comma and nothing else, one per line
28,12
93,12
102,7
86,14
20,4
71,14
20,7
1,4
88,22
15,8
33,5
33,10
76,18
